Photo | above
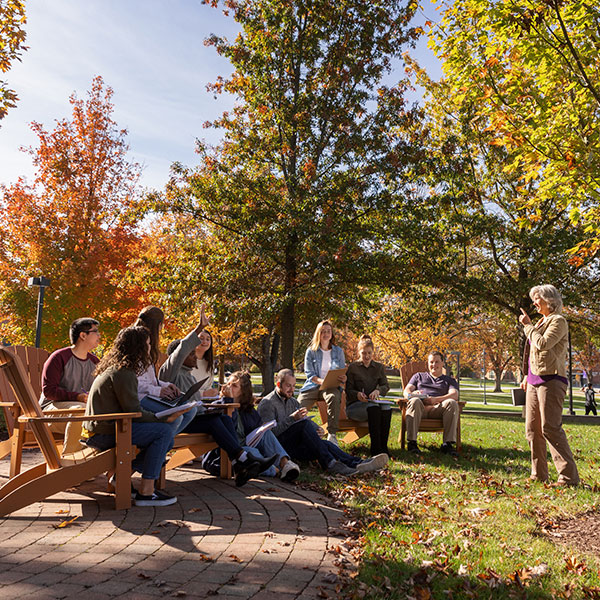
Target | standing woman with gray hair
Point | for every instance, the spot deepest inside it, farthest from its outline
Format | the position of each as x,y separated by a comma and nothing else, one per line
545,382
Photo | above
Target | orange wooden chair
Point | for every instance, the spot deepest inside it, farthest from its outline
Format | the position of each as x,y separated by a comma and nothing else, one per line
355,429
426,425
55,473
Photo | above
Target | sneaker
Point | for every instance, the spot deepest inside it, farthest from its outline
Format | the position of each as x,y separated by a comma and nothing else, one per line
289,472
373,464
112,483
251,468
413,448
448,448
157,498
339,468
333,439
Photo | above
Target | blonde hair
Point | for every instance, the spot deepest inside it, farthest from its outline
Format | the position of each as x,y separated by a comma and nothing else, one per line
365,341
316,338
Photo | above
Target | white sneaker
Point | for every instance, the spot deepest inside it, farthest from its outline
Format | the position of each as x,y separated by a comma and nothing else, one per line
290,471
373,464
333,439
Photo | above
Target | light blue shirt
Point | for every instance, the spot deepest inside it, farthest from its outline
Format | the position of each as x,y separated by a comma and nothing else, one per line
312,364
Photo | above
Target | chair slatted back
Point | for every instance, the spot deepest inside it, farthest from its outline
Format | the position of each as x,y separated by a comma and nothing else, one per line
12,368
409,369
33,359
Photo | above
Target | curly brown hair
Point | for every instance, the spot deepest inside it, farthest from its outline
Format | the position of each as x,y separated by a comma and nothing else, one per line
129,351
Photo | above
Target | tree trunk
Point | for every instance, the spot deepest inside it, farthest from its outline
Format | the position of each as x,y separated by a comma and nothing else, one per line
269,361
498,374
287,334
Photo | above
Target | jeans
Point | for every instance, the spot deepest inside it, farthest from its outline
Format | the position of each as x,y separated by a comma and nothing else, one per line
221,428
302,442
268,446
153,440
179,424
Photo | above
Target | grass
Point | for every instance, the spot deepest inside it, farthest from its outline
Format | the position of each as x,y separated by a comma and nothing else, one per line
472,527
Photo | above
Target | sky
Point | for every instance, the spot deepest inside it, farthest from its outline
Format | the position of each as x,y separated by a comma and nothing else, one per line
150,52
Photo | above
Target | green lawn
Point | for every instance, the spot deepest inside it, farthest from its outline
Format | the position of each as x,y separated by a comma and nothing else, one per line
472,527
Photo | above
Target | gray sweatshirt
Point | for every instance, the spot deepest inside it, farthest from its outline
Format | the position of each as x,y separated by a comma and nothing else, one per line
274,407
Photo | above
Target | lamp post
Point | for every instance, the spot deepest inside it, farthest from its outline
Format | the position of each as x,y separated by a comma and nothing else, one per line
571,411
42,283
484,394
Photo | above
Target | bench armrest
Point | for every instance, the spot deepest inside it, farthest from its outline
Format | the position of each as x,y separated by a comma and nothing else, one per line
106,417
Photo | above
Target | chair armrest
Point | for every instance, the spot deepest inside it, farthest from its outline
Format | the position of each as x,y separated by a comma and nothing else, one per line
105,417
8,404
63,411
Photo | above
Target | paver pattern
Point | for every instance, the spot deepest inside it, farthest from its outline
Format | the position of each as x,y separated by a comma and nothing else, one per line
265,541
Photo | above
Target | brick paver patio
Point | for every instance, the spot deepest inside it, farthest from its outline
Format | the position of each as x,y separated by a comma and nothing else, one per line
266,540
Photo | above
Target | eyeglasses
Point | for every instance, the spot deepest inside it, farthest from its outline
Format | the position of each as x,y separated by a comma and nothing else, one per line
93,331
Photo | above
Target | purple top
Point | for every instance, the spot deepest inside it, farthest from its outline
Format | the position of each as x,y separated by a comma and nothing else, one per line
534,379
433,386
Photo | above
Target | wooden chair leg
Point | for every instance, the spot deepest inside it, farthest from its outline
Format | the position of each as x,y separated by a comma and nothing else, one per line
226,471
18,438
458,438
124,455
402,436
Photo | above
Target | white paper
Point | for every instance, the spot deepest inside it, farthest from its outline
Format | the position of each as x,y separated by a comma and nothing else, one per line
174,409
256,435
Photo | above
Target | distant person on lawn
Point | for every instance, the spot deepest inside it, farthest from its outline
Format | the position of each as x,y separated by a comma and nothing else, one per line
301,437
590,400
67,377
432,395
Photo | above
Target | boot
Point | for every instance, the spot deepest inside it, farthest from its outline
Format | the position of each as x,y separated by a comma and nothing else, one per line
374,418
386,422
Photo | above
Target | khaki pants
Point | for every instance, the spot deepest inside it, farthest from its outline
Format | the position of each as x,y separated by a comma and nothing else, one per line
543,423
72,431
447,410
333,399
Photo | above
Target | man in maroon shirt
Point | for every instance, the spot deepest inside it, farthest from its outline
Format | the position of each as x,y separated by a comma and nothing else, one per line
67,377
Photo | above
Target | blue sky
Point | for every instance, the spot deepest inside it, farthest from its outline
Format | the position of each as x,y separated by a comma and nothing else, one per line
151,52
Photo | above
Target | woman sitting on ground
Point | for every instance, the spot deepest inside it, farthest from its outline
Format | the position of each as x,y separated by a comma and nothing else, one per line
366,384
114,390
238,388
322,356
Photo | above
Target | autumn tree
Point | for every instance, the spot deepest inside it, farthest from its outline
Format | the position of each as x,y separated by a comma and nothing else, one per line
290,191
530,70
71,225
12,39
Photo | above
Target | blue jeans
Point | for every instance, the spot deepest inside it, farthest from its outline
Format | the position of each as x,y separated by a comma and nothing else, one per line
302,442
268,446
153,440
179,424
221,428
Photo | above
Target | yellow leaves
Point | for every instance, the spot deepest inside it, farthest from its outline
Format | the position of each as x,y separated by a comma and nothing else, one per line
66,523
573,564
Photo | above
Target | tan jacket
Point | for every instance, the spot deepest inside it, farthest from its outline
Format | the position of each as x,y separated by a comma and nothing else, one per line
549,341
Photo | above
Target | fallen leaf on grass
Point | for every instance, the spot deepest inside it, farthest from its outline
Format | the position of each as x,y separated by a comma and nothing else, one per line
572,564
66,523
463,570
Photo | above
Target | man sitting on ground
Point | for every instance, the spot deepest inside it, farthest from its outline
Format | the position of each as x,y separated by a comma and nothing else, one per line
301,437
67,377
433,395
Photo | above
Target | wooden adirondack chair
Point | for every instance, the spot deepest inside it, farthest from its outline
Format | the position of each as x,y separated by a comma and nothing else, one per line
427,425
56,473
355,429
19,434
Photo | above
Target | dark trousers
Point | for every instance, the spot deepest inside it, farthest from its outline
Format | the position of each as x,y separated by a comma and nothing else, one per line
302,442
590,409
222,429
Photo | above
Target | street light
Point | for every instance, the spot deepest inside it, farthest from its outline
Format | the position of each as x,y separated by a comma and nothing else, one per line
484,395
42,283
